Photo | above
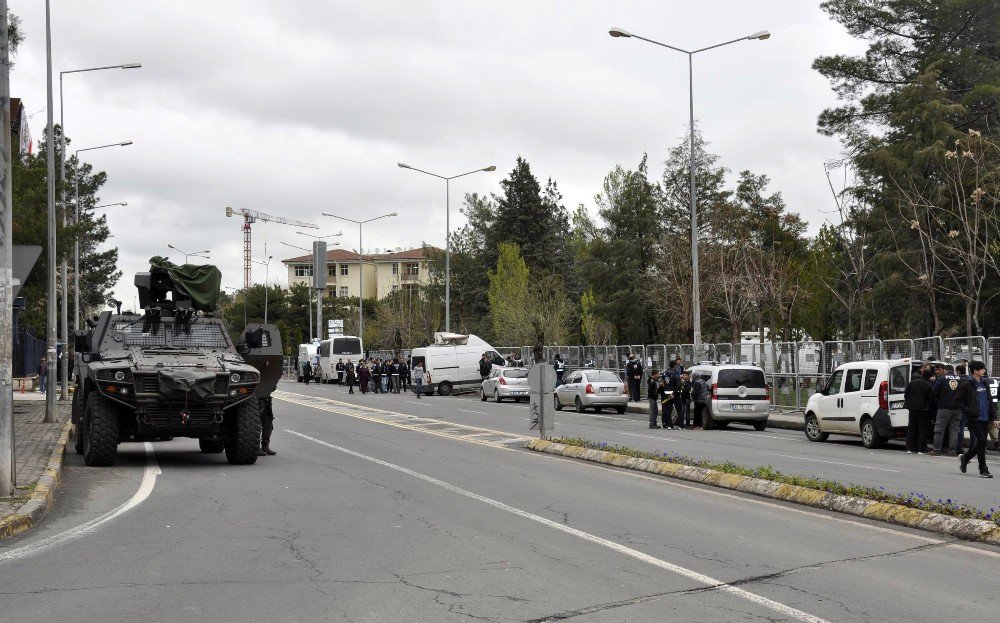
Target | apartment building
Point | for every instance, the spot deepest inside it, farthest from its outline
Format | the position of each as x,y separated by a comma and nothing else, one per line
382,273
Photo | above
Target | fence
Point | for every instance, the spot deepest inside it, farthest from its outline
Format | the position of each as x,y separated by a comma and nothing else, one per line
28,352
795,370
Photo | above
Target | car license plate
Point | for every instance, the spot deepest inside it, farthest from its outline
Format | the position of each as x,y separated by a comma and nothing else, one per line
517,393
741,407
608,390
896,405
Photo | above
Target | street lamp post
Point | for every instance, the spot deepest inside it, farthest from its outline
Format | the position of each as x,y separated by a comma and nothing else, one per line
361,266
76,243
201,254
309,290
447,231
695,287
64,372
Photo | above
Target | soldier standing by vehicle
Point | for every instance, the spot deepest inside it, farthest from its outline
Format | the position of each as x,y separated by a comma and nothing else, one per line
485,365
560,367
633,372
699,393
266,427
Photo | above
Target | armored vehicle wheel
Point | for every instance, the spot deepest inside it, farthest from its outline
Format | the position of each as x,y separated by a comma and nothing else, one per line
212,446
243,438
78,417
100,431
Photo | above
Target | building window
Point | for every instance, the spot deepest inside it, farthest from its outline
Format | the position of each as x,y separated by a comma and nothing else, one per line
343,291
395,288
413,269
331,270
395,268
331,292
303,270
343,270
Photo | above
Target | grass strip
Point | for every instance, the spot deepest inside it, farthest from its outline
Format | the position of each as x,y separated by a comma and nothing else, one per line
949,507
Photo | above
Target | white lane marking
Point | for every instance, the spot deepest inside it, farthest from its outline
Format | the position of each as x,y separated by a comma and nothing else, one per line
145,488
470,411
802,458
786,438
651,437
586,536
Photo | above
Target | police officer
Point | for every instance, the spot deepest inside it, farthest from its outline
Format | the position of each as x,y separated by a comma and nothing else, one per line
560,367
266,428
633,372
340,371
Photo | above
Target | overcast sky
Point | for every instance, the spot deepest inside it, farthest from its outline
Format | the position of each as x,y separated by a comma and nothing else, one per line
302,106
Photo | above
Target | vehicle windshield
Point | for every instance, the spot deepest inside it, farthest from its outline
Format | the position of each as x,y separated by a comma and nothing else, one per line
167,333
515,374
346,346
603,376
746,377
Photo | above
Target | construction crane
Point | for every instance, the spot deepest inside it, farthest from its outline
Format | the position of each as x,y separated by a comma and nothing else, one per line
249,217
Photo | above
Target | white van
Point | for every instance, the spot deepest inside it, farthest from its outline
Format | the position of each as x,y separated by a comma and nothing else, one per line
336,348
863,398
307,352
453,362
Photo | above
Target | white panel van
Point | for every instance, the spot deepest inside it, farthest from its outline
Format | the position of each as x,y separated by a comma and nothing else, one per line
453,362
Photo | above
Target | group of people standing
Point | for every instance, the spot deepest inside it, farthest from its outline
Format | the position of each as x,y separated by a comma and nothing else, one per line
672,393
948,399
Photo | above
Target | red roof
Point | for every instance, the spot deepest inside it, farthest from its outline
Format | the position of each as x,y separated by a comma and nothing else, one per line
343,255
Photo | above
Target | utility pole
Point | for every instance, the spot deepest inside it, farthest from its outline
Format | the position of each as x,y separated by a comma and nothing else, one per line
50,159
319,282
7,464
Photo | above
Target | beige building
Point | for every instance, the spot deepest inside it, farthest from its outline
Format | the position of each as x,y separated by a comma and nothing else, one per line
383,273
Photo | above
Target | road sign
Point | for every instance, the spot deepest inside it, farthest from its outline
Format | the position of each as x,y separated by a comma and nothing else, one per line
334,327
541,386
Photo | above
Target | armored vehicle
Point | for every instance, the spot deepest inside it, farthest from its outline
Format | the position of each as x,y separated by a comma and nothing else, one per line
173,370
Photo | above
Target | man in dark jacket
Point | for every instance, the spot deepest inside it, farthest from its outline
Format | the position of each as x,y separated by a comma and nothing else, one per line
700,395
485,366
377,375
973,398
633,372
948,416
917,400
653,395
340,371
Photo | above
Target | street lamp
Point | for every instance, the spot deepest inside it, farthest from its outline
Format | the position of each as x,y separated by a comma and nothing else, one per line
64,372
201,254
361,266
108,205
695,287
447,231
309,290
267,277
76,243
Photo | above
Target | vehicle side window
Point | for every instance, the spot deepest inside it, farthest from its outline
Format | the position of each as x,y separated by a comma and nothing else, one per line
834,387
870,377
853,383
899,377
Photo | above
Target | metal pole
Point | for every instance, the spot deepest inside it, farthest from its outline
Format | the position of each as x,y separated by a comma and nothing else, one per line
50,158
267,275
77,312
64,322
361,288
695,286
309,309
7,462
319,313
447,255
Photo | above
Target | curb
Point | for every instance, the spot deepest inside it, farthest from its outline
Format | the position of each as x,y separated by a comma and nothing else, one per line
969,529
795,423
32,511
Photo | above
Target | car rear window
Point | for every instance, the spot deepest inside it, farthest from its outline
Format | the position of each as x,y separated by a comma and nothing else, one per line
735,377
899,377
515,374
603,376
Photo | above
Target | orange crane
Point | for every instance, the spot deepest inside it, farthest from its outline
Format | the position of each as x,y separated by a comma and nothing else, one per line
249,217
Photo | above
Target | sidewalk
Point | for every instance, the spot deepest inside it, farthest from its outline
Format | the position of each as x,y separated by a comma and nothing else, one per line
39,450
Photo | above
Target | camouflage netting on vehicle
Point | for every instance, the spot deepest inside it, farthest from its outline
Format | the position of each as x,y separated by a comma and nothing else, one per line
200,283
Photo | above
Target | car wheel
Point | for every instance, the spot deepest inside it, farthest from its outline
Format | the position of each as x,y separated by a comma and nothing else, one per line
813,431
579,405
555,398
482,394
620,410
759,426
869,435
708,423
444,388
496,396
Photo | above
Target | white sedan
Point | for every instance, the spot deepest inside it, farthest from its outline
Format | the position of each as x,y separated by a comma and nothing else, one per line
595,389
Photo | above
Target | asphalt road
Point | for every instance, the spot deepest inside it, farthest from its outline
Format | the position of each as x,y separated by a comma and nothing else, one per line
364,520
840,458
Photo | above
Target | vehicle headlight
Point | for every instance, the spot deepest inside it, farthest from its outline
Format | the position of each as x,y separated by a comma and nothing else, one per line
234,378
120,375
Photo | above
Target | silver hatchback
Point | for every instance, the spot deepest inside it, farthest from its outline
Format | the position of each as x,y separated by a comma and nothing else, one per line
596,389
505,383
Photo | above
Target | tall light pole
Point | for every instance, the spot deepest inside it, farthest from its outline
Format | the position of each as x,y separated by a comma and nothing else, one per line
447,231
319,265
76,244
361,266
64,372
267,276
109,205
695,287
7,462
50,162
309,290
201,254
